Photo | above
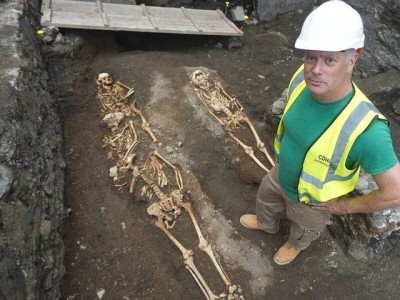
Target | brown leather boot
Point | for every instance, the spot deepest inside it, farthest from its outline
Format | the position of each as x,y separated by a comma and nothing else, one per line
251,222
286,254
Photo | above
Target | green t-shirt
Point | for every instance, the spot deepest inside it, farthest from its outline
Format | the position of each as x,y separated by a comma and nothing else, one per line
307,119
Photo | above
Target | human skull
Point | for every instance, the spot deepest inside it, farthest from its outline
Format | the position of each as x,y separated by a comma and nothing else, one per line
105,81
200,80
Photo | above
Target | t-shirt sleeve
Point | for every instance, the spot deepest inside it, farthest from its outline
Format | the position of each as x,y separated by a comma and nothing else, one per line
373,149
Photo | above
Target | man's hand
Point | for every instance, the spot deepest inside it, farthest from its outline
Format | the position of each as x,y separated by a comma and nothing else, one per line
385,197
334,206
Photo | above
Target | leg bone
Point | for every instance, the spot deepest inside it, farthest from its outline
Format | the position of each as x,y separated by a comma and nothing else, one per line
260,144
189,262
249,151
206,247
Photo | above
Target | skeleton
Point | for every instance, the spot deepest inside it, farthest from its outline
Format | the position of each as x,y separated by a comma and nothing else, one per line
218,101
123,140
112,96
167,208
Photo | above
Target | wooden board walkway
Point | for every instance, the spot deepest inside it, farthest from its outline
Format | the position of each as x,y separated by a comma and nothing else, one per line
125,17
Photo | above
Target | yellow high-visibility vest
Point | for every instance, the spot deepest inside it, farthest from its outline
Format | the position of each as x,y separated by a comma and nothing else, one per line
324,175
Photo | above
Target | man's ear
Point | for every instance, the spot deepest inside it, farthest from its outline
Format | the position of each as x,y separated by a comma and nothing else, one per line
357,54
353,60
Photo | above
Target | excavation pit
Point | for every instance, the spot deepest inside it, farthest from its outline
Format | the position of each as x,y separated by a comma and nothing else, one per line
96,241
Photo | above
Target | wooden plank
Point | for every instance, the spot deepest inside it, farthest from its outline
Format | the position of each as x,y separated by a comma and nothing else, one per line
191,19
69,6
46,4
46,11
233,26
101,12
46,17
77,20
147,14
131,24
99,15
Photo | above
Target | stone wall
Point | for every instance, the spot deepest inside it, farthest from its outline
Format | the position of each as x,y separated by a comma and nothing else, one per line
382,35
268,10
382,29
32,213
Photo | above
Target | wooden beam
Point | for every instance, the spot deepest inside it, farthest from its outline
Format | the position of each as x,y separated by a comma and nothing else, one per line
103,16
233,26
46,11
149,16
184,11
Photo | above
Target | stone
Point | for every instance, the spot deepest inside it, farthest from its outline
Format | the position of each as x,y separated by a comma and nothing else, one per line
233,42
45,229
396,107
269,10
237,13
5,181
359,251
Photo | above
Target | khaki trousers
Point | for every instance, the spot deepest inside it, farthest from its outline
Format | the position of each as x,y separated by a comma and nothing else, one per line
272,203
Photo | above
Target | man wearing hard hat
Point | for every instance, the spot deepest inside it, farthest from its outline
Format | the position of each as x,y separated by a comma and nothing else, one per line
329,130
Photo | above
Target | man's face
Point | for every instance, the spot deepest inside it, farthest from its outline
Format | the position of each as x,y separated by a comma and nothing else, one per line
328,74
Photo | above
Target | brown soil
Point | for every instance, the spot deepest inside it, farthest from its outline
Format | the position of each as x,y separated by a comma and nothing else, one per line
114,251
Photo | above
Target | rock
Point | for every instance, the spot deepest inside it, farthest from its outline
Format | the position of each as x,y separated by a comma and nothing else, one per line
5,181
278,106
396,107
360,252
45,229
362,183
113,119
269,10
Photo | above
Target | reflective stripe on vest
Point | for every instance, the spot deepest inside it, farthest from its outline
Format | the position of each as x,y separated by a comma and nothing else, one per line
324,175
345,180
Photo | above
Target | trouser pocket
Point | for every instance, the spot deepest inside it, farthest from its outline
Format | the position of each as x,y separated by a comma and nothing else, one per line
310,234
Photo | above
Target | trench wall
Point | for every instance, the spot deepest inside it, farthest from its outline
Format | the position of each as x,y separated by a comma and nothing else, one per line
32,213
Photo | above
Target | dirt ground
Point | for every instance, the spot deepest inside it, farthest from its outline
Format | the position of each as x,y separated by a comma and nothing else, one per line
114,251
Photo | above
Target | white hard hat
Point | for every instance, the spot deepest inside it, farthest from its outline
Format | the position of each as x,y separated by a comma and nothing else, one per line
333,26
